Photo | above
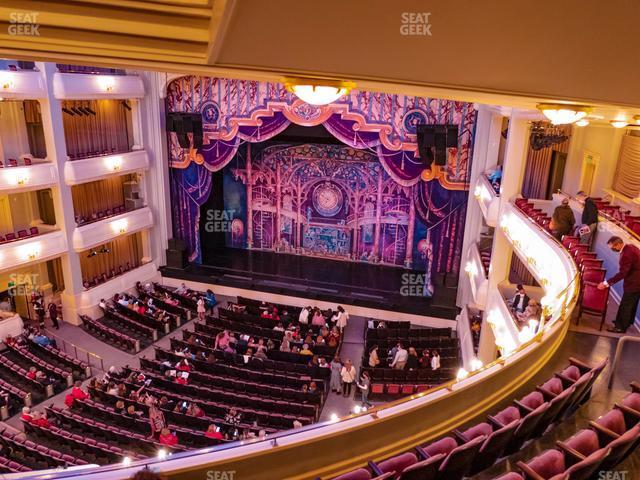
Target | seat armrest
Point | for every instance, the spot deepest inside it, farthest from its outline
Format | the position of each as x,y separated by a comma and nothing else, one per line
635,386
374,468
580,364
458,434
494,422
546,393
603,432
573,454
421,453
529,474
566,381
524,410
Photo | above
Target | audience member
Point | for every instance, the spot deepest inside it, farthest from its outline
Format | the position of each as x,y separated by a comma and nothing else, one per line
520,300
374,361
167,438
336,379
400,358
562,220
364,385
348,375
412,359
435,360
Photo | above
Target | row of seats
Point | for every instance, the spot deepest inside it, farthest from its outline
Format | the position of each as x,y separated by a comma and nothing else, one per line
599,448
16,375
12,162
139,443
127,322
9,466
109,335
618,215
469,451
230,399
64,68
79,369
196,423
258,321
160,302
100,413
173,321
20,235
89,283
100,215
32,359
31,455
407,333
188,300
18,397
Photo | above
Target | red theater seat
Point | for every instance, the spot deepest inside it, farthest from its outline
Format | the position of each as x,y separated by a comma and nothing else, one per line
594,301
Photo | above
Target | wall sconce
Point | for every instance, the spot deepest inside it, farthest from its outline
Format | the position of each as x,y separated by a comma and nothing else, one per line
119,226
477,192
17,177
6,80
462,374
618,123
114,163
29,252
106,83
475,364
471,269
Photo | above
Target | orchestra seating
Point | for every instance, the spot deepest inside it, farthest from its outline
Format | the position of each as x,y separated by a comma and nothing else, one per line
110,335
470,450
79,370
26,358
592,300
389,382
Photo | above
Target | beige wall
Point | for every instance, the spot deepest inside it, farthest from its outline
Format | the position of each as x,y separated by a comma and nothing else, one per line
603,141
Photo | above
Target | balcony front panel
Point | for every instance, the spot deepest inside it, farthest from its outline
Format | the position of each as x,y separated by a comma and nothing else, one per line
96,168
36,249
22,85
488,199
78,86
105,230
477,276
33,177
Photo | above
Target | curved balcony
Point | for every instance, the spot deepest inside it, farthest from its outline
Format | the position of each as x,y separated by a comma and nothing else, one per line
35,249
477,276
25,178
22,85
102,231
80,86
96,168
334,447
488,199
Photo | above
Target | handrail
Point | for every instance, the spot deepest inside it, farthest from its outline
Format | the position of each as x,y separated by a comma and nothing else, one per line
60,340
623,340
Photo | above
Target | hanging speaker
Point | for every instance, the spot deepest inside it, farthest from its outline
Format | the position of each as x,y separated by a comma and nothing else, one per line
426,141
440,141
197,130
452,136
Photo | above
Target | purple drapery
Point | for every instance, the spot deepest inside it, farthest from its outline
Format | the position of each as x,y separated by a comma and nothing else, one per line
190,188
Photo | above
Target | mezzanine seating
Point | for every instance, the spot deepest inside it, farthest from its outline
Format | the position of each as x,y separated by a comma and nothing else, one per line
14,374
79,369
468,451
20,235
109,335
30,359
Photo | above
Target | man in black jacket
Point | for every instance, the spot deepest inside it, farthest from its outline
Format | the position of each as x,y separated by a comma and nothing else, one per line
589,218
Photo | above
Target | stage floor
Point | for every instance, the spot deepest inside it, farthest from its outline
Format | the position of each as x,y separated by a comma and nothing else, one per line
356,283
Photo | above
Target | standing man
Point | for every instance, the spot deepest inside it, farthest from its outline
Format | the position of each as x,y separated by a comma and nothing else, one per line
520,300
629,271
53,315
563,220
589,218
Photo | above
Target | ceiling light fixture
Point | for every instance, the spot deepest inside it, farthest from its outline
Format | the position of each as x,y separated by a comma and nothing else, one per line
317,92
582,123
636,118
560,114
618,123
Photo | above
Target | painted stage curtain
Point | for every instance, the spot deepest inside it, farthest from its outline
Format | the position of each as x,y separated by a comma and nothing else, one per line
237,111
106,132
627,177
123,250
100,195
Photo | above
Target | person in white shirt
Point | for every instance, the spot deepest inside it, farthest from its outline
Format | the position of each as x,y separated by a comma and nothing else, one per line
304,315
348,375
435,360
340,318
182,289
400,359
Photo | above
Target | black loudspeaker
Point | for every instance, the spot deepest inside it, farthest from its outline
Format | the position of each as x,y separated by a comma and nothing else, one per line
441,144
452,136
176,258
197,131
426,141
183,123
177,244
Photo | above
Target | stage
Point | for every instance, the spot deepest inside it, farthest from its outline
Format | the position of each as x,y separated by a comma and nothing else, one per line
354,283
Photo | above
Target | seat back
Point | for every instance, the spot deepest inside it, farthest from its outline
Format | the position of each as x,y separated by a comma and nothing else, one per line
398,463
424,470
458,463
493,447
526,427
584,469
594,299
595,275
621,446
359,474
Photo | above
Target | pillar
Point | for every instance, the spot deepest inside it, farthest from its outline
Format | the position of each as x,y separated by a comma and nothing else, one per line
249,198
57,152
512,173
408,260
376,235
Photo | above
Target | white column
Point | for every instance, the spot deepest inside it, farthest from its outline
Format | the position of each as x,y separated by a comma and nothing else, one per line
57,153
485,155
512,174
150,114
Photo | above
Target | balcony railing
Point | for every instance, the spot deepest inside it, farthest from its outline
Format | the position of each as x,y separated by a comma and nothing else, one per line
95,168
488,200
21,84
474,268
83,86
32,249
35,174
105,230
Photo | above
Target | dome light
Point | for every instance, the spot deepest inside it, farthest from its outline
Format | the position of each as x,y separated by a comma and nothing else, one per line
582,123
636,118
618,123
317,92
560,114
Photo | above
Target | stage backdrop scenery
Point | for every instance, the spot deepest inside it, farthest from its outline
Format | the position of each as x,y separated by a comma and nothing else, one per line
368,199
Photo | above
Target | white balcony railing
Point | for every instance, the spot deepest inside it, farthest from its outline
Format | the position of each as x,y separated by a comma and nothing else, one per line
477,276
488,199
79,86
33,177
95,168
22,85
32,250
105,230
